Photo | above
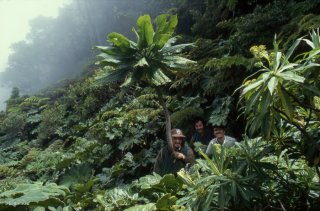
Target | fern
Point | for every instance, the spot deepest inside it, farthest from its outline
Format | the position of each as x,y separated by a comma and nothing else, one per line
228,62
8,172
30,157
297,27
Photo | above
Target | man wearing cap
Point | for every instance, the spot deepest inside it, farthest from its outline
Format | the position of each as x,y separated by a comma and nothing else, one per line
220,138
171,162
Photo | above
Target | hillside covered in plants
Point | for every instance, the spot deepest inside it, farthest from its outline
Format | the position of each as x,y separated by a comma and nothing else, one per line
90,142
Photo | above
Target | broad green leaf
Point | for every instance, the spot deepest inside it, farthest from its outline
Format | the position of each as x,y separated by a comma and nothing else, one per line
286,103
285,67
313,53
162,40
159,78
145,31
272,84
141,63
116,52
309,43
149,180
254,98
292,48
145,207
255,124
252,86
277,61
213,167
166,201
120,41
137,36
106,59
176,48
315,39
35,194
170,42
182,174
172,24
165,29
134,77
290,76
113,76
161,21
178,62
165,26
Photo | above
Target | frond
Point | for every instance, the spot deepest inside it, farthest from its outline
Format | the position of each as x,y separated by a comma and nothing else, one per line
113,76
145,31
159,78
176,48
179,63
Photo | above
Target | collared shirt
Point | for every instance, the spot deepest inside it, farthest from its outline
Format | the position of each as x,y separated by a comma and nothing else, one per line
228,142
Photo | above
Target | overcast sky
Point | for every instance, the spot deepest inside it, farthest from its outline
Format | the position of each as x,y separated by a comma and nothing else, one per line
14,21
14,26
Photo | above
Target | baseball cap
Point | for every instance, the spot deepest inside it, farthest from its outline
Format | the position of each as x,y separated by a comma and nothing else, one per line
177,133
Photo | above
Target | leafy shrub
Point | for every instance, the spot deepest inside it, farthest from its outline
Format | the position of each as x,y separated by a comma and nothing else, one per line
33,194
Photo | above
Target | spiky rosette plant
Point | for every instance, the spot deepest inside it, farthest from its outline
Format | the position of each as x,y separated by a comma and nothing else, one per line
152,59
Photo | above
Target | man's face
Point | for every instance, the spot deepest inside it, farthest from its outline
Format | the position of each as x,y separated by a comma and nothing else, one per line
218,132
177,143
199,127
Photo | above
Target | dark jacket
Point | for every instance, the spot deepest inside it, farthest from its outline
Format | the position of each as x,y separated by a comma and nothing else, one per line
166,164
204,140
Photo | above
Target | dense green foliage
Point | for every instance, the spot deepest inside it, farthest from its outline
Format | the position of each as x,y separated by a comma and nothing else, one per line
83,145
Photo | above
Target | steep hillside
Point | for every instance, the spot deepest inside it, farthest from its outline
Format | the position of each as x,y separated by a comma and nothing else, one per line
85,144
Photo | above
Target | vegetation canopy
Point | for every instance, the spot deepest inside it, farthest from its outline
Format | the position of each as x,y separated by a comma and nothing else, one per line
90,143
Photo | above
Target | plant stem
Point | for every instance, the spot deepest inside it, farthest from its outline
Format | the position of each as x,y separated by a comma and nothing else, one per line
168,119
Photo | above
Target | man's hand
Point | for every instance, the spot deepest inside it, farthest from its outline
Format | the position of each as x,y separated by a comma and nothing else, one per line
179,155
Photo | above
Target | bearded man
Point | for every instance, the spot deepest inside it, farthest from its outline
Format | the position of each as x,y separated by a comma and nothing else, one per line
171,162
220,138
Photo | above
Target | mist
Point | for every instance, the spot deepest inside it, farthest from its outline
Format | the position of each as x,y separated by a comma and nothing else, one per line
62,47
4,95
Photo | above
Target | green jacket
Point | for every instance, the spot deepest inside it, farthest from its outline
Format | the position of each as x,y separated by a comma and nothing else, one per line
165,164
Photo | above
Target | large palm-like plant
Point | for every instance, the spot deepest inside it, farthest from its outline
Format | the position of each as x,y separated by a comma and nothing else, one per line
268,96
286,91
153,59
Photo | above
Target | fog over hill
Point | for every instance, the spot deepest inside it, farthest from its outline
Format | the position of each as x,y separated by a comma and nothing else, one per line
62,47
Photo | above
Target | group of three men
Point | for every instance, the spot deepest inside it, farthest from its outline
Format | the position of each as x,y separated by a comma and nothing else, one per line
172,162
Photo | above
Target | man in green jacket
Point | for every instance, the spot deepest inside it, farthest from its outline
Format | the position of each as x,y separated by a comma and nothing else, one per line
167,162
